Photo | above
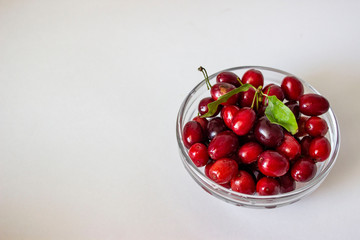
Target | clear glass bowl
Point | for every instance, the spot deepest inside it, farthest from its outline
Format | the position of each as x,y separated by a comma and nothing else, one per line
188,111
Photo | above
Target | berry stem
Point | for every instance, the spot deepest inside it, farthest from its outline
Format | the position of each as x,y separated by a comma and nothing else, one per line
204,72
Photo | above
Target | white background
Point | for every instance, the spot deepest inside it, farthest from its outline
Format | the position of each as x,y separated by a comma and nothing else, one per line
89,92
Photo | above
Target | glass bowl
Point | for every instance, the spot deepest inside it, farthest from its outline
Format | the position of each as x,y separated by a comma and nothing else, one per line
189,109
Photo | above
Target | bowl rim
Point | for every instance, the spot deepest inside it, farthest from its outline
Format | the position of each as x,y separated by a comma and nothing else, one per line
308,185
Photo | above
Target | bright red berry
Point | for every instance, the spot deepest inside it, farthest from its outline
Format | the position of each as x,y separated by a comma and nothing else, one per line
243,182
199,154
228,113
243,121
290,147
313,104
319,149
267,186
316,127
192,133
223,170
273,164
228,77
223,145
292,88
253,77
303,170
249,152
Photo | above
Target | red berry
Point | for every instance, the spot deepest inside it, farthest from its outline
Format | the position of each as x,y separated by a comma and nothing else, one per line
243,182
268,134
199,154
228,113
228,77
249,152
292,88
203,122
207,168
253,77
223,145
246,98
215,126
316,127
313,104
305,145
192,133
303,170
319,149
267,186
273,90
273,164
287,183
220,89
290,147
243,121
223,170
203,106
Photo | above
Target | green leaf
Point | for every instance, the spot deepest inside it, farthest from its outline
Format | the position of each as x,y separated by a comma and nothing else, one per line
277,112
213,106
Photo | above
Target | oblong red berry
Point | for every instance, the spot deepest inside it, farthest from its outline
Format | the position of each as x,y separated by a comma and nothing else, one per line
192,133
316,126
219,89
267,186
199,154
253,77
243,121
290,147
249,152
273,164
228,113
203,106
303,170
292,88
223,145
228,77
319,149
243,182
223,170
312,104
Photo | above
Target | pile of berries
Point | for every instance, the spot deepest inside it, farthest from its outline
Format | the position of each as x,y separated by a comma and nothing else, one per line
242,149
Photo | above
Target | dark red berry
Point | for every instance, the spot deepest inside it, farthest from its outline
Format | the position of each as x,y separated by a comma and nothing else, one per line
249,152
192,133
228,113
228,77
223,145
305,145
319,149
246,98
316,127
243,182
313,104
292,88
203,122
273,164
268,134
273,90
223,170
243,121
220,89
199,154
287,183
294,107
203,106
301,127
253,77
267,186
215,126
290,147
303,170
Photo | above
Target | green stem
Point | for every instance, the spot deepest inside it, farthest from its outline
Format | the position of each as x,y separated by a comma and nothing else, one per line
204,72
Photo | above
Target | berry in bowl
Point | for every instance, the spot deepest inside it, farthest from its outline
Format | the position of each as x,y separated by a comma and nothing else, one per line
257,136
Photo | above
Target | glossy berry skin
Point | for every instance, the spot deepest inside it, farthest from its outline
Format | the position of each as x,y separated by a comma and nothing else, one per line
313,104
292,88
228,113
303,170
219,89
305,145
268,134
243,182
223,145
249,152
243,121
246,98
215,126
203,108
316,127
290,147
273,90
192,133
228,77
273,164
294,107
203,122
223,170
287,183
253,77
319,149
267,186
199,154
301,127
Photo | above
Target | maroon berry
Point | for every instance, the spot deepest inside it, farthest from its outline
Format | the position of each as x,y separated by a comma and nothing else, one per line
243,182
294,107
267,186
203,106
290,147
243,121
223,145
220,89
246,98
228,77
228,113
313,104
287,183
305,145
268,134
249,152
301,127
215,126
273,90
316,127
199,154
192,133
292,88
319,149
253,77
303,170
223,170
203,122
273,164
